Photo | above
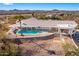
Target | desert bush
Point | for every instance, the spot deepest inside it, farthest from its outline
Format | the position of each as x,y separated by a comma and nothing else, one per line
70,50
7,48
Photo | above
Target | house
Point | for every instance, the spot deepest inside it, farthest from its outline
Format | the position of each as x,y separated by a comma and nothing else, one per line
53,26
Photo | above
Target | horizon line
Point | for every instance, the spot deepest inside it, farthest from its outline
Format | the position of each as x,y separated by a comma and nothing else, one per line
41,9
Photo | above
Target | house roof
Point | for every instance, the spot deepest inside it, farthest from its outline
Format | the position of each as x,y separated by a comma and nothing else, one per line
33,22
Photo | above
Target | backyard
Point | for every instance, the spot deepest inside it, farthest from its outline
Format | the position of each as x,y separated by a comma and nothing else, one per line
36,47
50,47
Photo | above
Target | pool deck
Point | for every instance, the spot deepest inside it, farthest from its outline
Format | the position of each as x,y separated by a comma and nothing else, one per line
33,36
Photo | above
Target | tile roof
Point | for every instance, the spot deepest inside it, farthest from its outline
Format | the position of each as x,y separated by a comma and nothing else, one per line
33,22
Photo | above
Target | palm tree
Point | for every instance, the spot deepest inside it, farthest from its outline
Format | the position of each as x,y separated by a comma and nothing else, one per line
19,17
33,14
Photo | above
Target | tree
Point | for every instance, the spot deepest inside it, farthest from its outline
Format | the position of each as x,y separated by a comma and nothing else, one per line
19,17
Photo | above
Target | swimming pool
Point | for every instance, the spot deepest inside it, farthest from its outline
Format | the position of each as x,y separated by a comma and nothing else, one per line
31,32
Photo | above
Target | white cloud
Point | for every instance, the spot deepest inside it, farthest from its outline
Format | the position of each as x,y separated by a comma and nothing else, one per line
8,3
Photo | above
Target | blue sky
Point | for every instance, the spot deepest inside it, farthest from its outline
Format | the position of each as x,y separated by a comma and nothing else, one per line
40,6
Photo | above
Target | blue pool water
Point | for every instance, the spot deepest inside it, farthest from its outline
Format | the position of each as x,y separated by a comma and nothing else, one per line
23,31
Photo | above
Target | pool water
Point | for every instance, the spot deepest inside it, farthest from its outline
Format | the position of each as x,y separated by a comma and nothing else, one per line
32,32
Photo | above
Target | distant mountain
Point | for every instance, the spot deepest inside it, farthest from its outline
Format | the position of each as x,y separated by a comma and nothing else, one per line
15,11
